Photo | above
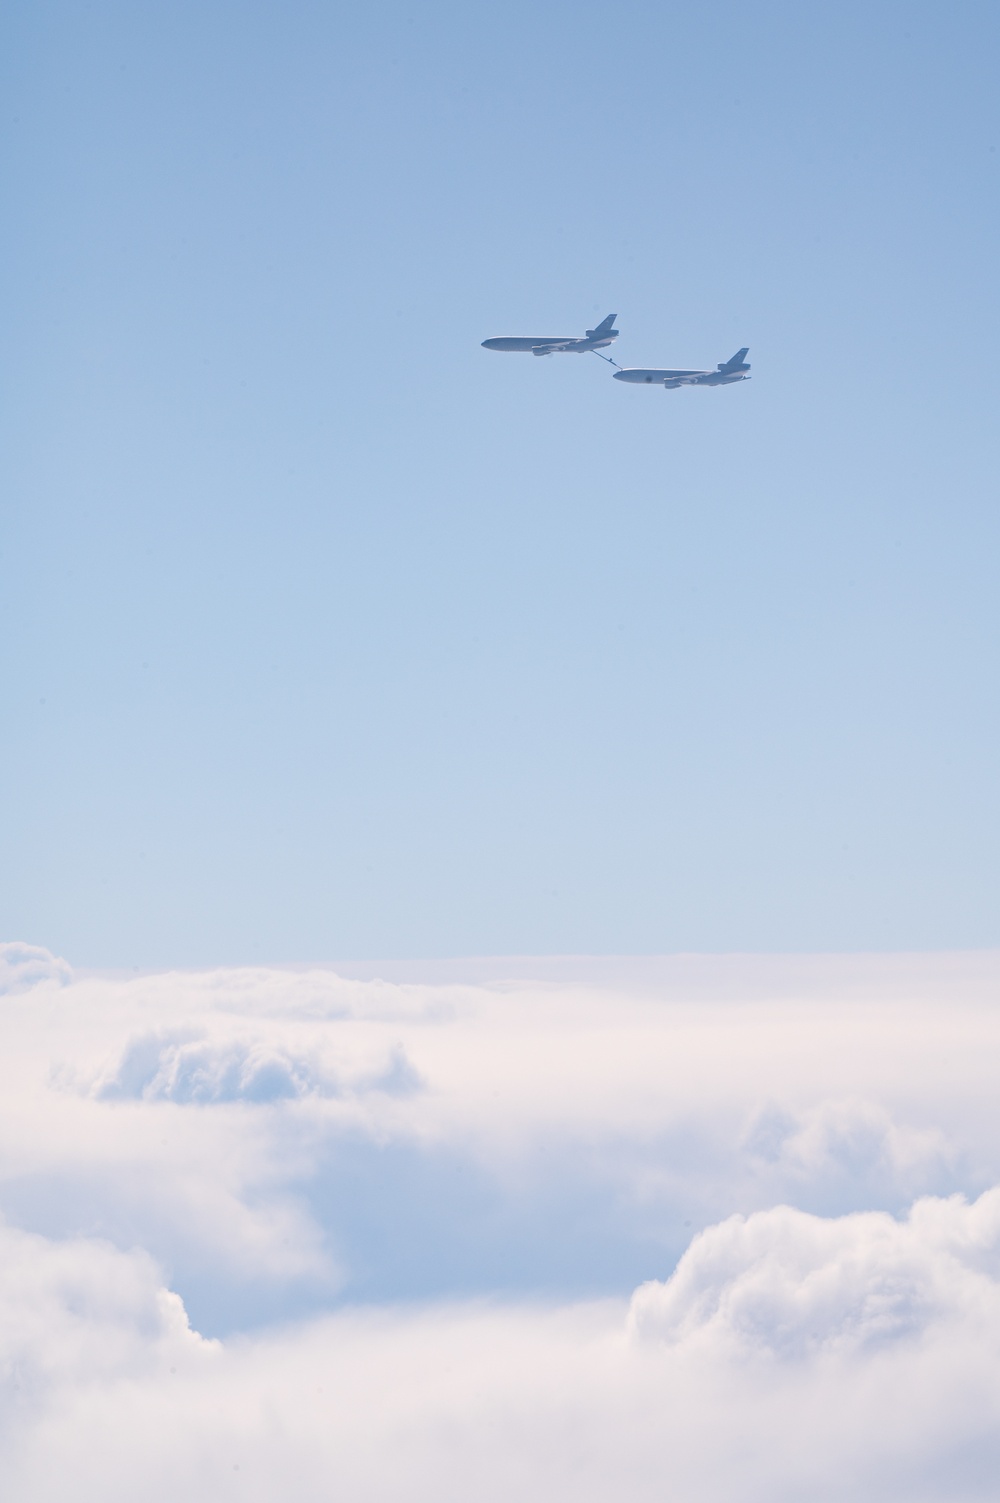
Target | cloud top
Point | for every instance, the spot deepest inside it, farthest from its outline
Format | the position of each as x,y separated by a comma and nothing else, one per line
202,1071
790,1284
25,966
80,1311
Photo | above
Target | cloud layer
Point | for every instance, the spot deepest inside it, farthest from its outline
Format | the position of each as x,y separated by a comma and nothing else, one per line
680,1235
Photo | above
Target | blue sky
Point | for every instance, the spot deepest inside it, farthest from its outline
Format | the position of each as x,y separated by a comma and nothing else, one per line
325,633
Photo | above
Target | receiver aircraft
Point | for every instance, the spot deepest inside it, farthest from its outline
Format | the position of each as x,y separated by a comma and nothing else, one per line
733,370
595,339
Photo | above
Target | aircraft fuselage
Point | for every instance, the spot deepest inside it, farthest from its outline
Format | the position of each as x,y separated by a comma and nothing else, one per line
678,378
723,375
551,344
548,346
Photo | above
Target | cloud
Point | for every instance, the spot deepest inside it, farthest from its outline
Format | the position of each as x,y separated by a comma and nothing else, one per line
788,1283
271,1136
24,966
552,1238
200,1071
715,1383
839,1146
81,1311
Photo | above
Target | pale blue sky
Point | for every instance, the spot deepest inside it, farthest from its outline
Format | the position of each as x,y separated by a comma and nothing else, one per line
326,633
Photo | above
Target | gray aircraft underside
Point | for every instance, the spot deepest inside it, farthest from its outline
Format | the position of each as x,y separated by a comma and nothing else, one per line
725,373
594,339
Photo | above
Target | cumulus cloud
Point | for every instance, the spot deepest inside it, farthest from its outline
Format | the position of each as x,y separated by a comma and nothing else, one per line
788,1283
298,1130
637,1229
82,1311
24,966
839,1148
787,1354
201,1071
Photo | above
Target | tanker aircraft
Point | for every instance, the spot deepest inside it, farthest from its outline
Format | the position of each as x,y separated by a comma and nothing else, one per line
732,370
595,339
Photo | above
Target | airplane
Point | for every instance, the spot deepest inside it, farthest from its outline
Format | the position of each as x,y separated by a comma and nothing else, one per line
723,375
596,339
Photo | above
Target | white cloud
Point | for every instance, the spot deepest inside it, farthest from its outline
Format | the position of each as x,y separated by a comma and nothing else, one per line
262,1143
785,1282
23,966
80,1311
788,1354
390,1139
201,1071
845,1145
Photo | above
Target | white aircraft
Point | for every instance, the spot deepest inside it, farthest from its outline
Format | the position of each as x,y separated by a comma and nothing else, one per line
595,339
733,370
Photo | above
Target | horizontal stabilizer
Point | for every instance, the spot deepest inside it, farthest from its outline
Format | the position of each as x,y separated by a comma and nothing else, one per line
604,327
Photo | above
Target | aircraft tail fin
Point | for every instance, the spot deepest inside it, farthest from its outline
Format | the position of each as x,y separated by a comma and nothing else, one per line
604,327
736,362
